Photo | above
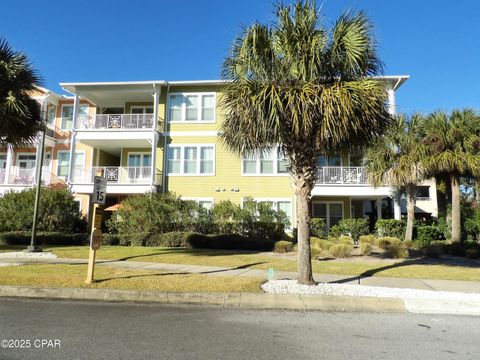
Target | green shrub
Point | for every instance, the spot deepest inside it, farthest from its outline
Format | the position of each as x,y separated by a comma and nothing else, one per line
341,250
433,250
351,227
320,243
344,239
365,248
390,228
367,239
385,241
395,250
58,212
110,239
283,246
43,238
407,244
317,252
471,253
318,227
427,234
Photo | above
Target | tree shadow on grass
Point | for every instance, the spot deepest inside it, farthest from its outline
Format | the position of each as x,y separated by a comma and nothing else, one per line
207,272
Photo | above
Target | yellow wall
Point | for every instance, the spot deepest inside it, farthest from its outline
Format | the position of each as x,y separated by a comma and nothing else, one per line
106,159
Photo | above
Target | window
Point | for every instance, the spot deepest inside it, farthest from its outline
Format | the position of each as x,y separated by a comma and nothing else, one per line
335,160
423,192
191,160
141,110
192,107
52,109
63,160
332,212
271,162
67,115
206,203
284,205
139,166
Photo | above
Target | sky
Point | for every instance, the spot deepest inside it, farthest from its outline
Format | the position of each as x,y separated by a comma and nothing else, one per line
436,42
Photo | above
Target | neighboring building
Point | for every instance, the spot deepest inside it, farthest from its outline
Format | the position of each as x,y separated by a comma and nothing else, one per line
162,136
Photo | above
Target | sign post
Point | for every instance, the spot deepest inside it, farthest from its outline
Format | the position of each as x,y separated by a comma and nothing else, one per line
99,197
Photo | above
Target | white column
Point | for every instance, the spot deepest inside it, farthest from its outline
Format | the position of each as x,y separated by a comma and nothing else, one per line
8,164
156,95
73,140
391,102
397,208
379,209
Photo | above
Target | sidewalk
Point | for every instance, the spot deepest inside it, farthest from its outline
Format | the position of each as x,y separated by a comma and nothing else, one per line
405,283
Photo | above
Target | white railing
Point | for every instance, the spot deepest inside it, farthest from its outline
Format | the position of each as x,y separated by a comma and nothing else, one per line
114,174
19,176
342,175
116,121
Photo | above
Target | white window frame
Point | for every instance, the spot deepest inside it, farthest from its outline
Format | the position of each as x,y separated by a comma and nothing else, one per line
141,153
258,165
73,115
68,152
182,159
424,198
199,109
143,107
327,203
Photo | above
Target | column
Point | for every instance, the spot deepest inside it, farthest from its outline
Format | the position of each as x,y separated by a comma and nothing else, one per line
73,140
156,95
379,208
397,209
8,164
391,102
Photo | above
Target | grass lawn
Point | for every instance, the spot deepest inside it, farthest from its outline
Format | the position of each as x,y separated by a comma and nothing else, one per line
232,259
74,276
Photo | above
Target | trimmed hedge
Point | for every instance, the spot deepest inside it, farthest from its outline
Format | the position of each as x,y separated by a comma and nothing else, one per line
43,238
428,234
283,246
390,228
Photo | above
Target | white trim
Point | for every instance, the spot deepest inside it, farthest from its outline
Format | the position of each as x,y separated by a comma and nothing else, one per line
182,160
199,108
190,133
143,107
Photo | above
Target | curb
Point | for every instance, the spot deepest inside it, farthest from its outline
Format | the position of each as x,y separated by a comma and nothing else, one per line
227,300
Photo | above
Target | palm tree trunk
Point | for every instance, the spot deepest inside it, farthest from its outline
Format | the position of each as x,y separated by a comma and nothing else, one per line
302,194
411,199
456,226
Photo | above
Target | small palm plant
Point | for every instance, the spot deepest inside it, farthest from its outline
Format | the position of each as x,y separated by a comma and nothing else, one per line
20,118
395,160
307,89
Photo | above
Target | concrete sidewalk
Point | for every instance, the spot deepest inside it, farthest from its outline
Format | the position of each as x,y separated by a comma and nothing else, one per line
244,271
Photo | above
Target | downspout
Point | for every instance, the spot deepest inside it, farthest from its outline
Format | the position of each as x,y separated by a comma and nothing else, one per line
156,96
73,140
165,165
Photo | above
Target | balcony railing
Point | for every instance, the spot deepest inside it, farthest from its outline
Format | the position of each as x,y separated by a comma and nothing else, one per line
342,175
116,121
114,174
19,176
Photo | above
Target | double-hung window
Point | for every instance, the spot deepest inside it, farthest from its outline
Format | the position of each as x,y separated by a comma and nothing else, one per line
332,212
63,161
268,162
67,115
191,160
192,107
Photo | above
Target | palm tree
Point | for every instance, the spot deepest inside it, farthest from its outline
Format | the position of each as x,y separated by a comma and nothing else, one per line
395,160
20,118
453,150
308,90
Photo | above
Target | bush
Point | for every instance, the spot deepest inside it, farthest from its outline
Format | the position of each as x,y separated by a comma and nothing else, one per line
390,228
367,239
43,238
471,253
385,241
347,240
395,250
455,250
318,227
283,246
433,251
426,234
351,227
110,239
58,212
320,243
407,244
365,248
341,250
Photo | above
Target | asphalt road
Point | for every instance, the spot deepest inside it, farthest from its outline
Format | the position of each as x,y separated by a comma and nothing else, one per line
92,330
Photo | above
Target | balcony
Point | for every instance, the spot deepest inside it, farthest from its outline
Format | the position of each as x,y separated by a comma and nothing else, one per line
114,174
342,175
115,122
23,177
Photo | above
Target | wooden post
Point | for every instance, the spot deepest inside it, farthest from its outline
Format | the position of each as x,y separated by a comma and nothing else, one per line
95,242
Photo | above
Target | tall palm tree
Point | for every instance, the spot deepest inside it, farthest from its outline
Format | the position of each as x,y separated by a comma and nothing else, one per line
307,89
395,160
453,149
20,118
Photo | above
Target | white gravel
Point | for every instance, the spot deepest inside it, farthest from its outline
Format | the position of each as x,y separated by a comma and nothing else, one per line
21,254
292,287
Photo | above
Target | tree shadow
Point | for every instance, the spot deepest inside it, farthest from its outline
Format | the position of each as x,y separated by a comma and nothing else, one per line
240,267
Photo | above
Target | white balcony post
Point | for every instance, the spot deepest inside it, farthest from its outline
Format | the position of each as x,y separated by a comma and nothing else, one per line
8,164
391,101
379,209
156,95
397,210
73,140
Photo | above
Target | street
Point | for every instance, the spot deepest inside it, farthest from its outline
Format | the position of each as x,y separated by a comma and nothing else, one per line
92,330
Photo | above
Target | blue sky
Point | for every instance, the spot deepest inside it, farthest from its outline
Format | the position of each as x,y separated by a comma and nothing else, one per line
435,42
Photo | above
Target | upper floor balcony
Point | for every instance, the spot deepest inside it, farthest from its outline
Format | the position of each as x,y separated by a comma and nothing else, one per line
23,177
342,175
115,122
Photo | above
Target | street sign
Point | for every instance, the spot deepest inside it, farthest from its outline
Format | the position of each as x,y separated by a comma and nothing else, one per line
96,240
99,190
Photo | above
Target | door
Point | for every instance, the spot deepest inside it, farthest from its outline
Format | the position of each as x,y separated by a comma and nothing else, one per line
142,116
139,166
25,168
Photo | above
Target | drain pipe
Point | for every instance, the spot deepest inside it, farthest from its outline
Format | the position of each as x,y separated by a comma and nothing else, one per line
165,164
